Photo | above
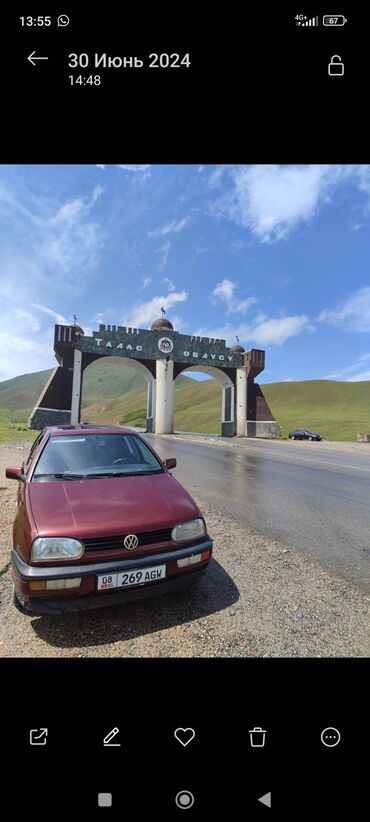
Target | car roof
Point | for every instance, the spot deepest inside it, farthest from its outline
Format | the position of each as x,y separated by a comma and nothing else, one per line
87,428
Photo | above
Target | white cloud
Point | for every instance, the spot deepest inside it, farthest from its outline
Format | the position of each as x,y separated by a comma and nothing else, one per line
278,331
23,355
101,317
351,369
70,211
361,377
225,293
169,228
59,245
59,318
271,200
273,331
164,250
145,282
28,319
203,249
47,247
169,284
352,315
134,167
217,175
143,314
224,290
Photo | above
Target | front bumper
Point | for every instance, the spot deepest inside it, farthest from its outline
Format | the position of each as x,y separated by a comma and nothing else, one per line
87,596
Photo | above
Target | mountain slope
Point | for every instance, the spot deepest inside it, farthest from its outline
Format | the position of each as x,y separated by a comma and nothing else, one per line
104,379
116,394
338,411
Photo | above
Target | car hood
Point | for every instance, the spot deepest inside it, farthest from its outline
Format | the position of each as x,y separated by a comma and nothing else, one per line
98,507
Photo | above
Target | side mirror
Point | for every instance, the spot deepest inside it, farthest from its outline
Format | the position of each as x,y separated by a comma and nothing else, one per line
170,463
14,473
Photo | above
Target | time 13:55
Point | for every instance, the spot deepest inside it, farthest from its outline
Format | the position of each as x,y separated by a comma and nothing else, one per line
35,21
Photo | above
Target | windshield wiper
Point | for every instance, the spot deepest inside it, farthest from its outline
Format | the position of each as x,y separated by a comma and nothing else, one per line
61,476
137,473
123,474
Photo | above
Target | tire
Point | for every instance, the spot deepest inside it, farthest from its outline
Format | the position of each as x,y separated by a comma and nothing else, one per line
292,438
310,439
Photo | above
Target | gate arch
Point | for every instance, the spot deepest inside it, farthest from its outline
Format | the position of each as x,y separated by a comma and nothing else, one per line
161,353
227,385
142,369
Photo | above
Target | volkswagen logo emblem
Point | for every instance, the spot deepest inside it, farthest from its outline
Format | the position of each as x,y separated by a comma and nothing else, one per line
131,542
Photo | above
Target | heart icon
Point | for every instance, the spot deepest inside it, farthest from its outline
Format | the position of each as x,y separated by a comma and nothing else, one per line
184,735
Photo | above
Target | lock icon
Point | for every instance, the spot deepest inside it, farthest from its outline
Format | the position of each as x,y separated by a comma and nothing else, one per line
335,66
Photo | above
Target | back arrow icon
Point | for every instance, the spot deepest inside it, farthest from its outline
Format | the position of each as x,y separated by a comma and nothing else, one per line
32,58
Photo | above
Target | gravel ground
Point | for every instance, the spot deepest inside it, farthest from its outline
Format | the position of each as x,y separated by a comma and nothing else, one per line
259,599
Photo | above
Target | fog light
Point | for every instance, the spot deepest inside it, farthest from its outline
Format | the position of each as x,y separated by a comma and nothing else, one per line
182,563
54,584
37,585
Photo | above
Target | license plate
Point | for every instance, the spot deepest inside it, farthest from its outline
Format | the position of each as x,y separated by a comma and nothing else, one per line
138,576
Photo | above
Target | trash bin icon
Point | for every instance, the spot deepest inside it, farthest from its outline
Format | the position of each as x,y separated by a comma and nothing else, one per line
257,737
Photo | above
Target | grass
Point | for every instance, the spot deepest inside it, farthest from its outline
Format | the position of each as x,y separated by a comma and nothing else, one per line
13,426
337,411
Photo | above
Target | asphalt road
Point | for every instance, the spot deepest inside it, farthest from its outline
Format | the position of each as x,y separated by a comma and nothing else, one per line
316,501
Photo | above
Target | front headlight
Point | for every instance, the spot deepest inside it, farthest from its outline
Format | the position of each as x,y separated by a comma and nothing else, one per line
52,548
189,530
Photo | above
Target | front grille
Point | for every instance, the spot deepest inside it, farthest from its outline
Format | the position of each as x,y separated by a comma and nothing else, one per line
116,542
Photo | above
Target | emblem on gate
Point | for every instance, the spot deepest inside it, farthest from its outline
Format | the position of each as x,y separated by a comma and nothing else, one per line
131,542
165,345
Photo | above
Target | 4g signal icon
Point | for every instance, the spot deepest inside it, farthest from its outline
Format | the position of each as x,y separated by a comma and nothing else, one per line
302,20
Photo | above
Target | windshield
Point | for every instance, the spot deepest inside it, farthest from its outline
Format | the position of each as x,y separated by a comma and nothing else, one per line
93,455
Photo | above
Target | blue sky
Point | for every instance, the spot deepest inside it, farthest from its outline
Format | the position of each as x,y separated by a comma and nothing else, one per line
278,255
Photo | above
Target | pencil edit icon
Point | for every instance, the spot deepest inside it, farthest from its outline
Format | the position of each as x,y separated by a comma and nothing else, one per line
109,737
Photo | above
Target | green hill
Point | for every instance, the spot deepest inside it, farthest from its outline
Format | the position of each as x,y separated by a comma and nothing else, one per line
338,411
116,394
102,379
22,392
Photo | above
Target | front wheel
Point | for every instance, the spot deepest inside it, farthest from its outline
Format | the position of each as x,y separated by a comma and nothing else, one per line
292,438
310,439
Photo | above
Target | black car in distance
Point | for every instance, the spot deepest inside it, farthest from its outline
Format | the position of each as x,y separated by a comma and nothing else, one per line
304,434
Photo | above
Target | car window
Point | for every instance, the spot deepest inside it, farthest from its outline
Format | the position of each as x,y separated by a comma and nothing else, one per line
96,454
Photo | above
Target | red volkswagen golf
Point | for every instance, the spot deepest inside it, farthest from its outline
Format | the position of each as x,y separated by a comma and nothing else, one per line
101,521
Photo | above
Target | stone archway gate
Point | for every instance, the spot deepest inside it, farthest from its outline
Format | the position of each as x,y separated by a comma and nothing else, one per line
161,354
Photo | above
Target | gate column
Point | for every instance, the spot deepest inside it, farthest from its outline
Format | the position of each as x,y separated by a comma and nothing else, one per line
76,387
164,401
150,408
241,402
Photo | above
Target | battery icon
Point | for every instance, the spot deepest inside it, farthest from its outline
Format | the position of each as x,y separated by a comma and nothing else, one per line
334,20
